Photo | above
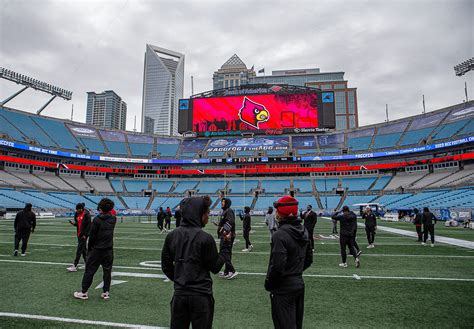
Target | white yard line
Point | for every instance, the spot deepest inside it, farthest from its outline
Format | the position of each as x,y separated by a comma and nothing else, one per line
69,264
79,321
75,245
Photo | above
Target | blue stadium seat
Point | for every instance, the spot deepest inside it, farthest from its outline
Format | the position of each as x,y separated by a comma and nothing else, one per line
183,186
58,132
210,187
167,150
330,202
117,185
74,199
263,202
10,130
386,141
450,129
161,186
358,184
351,200
468,129
135,185
381,183
328,184
93,145
96,198
241,187
140,149
275,186
359,143
117,148
134,202
303,185
415,136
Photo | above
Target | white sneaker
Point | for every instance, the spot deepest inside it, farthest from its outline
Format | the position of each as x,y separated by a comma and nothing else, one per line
81,295
423,244
343,265
231,275
105,295
357,262
369,246
222,275
23,255
72,268
432,245
245,250
250,248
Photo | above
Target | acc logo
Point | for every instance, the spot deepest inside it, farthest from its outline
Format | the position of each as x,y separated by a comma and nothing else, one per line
253,113
83,130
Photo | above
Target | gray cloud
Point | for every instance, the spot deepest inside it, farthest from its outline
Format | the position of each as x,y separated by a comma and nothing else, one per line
392,51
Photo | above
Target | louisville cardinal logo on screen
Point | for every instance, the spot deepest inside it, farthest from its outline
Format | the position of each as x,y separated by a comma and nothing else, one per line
253,113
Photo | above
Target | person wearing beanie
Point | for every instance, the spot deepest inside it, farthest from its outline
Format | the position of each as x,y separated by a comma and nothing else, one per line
101,249
310,219
189,255
246,225
429,221
418,222
82,222
24,224
347,235
227,219
290,255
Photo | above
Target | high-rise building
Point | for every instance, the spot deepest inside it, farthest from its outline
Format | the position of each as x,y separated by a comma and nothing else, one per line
232,73
163,86
345,97
106,110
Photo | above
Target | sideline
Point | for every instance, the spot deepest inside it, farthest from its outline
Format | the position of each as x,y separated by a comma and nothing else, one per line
79,321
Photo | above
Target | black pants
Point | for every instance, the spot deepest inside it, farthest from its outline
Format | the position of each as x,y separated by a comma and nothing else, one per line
311,236
334,227
96,258
247,238
228,264
81,250
24,236
419,232
196,310
168,224
288,310
347,241
370,232
160,224
428,228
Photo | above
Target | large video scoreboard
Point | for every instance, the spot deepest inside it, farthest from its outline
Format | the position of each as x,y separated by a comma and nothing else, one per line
276,113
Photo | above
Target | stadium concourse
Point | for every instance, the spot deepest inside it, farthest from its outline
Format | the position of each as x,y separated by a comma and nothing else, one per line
420,161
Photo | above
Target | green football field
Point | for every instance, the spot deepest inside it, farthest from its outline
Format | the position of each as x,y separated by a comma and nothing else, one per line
400,283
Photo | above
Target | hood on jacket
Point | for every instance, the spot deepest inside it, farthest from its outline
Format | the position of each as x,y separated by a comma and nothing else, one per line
191,211
295,230
227,204
106,217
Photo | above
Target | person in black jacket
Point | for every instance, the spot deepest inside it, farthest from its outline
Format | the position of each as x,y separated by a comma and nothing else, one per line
370,226
160,218
177,216
246,224
429,221
418,222
25,223
227,218
348,229
101,249
290,255
82,221
188,256
310,219
168,216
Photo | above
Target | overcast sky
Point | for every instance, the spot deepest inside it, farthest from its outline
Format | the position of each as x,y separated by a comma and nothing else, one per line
391,51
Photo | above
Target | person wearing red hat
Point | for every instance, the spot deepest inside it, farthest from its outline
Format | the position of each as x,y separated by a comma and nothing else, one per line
290,255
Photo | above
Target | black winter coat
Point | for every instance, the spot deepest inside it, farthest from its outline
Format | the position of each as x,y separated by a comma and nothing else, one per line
310,219
428,218
246,222
101,234
370,219
348,223
25,221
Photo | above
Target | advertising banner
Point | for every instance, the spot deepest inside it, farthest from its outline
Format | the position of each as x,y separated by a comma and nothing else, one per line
81,132
255,112
112,136
304,142
248,144
193,145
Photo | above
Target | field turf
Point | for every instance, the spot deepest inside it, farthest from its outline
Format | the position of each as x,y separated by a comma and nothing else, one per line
400,283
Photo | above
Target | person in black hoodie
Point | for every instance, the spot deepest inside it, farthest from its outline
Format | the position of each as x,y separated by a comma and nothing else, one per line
227,218
188,256
25,223
168,216
370,226
160,218
418,222
246,225
177,216
101,249
429,221
82,221
348,229
290,255
310,219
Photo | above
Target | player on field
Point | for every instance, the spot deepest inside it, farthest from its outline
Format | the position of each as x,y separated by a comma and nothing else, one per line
168,216
101,249
370,226
418,223
290,255
310,219
271,222
25,223
160,218
82,221
347,234
429,221
188,256
246,223
227,218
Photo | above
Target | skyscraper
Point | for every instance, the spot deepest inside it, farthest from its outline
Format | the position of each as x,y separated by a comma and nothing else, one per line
232,73
163,86
106,110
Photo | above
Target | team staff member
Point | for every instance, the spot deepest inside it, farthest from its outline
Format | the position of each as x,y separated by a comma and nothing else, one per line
177,216
168,216
370,226
101,249
310,219
25,223
160,219
246,225
82,221
347,235
418,222
227,217
188,256
290,255
429,221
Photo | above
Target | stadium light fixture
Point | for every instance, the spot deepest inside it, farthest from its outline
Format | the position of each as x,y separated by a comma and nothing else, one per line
464,67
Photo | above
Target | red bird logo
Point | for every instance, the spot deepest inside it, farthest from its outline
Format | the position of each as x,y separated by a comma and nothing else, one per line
253,113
